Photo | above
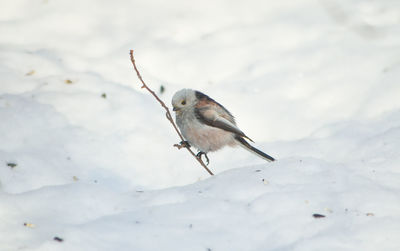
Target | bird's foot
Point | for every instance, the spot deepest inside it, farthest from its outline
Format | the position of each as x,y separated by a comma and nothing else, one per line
199,154
183,144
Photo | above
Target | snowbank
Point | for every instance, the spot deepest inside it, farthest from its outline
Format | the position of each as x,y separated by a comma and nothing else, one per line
86,155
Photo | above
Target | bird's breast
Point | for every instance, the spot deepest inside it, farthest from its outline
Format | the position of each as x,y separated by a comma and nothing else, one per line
208,139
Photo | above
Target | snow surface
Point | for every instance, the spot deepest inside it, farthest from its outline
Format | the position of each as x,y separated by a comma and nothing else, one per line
87,156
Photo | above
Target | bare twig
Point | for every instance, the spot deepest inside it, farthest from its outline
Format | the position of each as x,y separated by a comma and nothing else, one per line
179,146
168,114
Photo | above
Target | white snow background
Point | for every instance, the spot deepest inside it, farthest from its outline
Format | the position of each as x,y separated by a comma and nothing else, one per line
87,156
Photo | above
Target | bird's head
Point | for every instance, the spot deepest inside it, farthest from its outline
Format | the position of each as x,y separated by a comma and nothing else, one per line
183,100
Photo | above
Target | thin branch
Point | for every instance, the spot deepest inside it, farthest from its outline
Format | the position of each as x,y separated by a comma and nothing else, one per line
168,114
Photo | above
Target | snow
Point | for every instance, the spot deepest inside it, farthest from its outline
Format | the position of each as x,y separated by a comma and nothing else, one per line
86,155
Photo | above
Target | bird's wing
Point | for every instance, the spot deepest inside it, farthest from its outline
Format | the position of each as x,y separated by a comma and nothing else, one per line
217,117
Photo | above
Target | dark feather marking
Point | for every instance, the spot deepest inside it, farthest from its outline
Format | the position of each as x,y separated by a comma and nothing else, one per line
219,124
215,123
202,96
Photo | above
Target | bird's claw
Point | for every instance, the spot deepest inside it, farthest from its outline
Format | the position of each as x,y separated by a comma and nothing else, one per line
199,154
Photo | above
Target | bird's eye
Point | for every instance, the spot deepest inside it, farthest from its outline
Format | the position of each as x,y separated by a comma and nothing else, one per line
183,102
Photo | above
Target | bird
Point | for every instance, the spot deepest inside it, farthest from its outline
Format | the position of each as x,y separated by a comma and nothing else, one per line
207,125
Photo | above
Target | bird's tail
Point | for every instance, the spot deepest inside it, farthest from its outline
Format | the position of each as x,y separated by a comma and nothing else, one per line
243,143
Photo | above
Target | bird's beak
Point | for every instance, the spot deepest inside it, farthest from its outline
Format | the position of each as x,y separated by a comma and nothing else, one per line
175,109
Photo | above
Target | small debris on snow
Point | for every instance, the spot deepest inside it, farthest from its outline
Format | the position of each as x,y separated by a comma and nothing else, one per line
317,216
56,238
30,73
11,164
30,225
162,89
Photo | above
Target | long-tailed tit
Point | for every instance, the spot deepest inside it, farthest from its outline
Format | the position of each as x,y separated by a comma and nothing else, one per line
207,125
